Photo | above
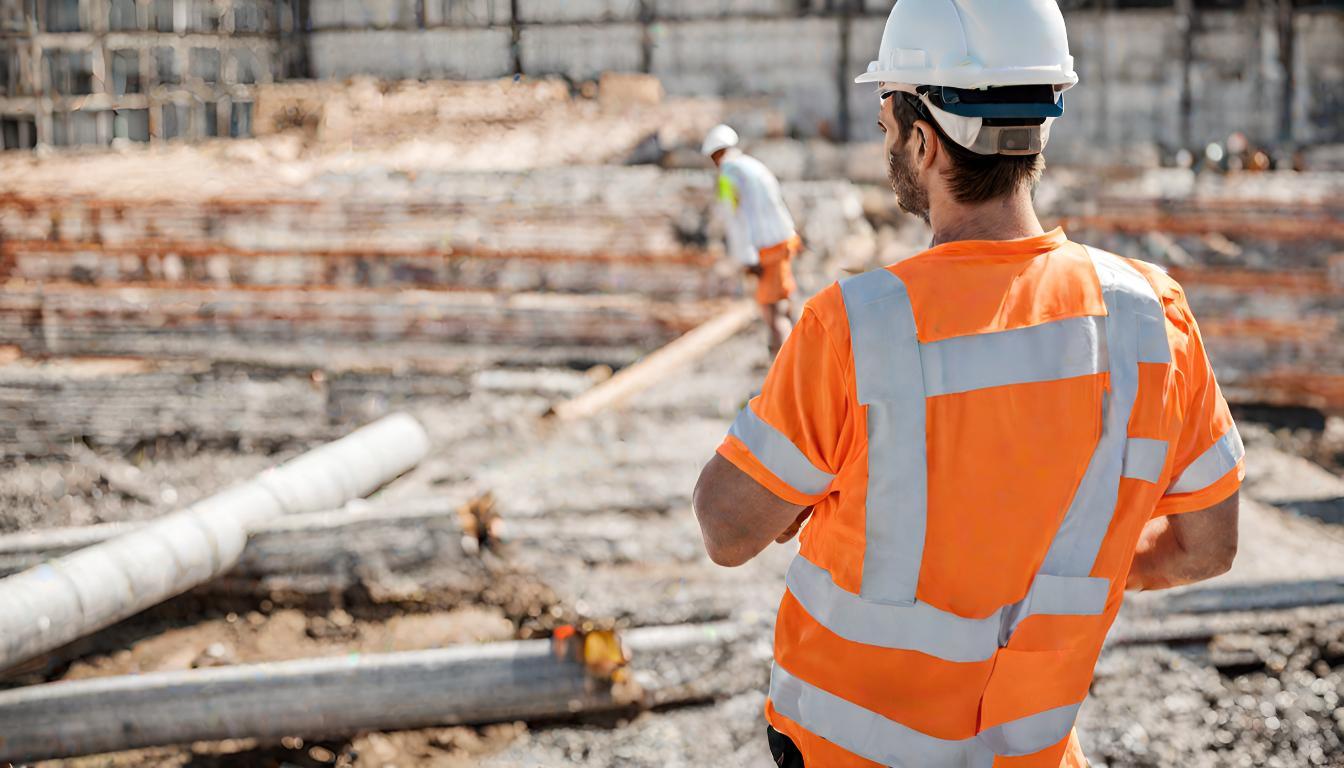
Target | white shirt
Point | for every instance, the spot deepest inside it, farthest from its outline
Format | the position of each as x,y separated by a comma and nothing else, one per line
754,207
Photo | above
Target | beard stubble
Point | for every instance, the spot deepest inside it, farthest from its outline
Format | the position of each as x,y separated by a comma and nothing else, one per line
912,198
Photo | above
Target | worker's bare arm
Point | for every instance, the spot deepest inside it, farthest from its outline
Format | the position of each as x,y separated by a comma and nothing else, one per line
1185,548
738,516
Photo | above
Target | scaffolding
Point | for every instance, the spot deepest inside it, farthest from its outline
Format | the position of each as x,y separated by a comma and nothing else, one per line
94,72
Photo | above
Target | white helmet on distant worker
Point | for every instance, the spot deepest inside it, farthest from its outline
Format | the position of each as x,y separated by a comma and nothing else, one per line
990,71
719,137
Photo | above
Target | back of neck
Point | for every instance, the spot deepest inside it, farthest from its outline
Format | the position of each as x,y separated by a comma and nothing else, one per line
1007,218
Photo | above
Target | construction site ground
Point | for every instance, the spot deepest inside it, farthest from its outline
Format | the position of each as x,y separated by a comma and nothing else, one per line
178,319
619,485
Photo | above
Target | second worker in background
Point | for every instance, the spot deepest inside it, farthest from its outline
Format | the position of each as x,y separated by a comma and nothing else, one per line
760,230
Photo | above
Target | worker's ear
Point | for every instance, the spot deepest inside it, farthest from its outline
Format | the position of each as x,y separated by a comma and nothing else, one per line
928,144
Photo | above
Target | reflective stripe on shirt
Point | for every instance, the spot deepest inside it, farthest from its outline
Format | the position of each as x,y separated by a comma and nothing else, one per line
1212,464
779,454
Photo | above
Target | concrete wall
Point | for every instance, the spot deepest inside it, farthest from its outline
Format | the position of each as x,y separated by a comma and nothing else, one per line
865,36
398,54
794,61
577,11
582,51
402,14
1318,104
467,13
1236,78
1129,83
717,9
1136,92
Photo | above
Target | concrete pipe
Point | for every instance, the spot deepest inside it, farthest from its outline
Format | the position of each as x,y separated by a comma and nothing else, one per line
52,604
469,684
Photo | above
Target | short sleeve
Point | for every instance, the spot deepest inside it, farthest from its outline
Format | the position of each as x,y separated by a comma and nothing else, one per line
1208,465
789,437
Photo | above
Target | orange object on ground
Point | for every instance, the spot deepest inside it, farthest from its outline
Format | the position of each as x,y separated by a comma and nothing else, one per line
944,417
776,283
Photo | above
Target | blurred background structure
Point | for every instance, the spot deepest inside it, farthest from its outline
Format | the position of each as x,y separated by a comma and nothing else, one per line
234,230
1162,76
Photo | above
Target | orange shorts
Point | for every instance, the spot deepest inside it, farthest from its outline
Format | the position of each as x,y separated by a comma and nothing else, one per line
776,282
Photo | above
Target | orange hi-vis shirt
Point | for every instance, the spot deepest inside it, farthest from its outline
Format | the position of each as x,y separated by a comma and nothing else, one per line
982,432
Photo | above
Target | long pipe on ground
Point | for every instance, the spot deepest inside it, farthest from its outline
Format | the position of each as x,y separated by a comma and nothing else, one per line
398,534
658,365
470,684
305,537
52,604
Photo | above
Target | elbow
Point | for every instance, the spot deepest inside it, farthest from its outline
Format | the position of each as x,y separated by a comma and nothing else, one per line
1213,559
722,546
1220,561
727,556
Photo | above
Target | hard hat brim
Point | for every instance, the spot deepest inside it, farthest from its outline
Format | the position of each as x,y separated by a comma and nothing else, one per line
974,78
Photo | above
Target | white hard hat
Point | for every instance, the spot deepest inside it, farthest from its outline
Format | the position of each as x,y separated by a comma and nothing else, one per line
719,137
974,44
970,60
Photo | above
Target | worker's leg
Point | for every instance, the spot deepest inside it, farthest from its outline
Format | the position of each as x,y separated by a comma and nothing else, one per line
778,324
786,754
774,287
768,319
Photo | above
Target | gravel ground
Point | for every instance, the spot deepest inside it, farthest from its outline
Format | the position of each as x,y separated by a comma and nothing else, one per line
45,493
1243,700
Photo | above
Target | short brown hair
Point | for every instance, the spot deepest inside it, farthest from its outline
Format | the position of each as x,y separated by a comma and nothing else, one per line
972,177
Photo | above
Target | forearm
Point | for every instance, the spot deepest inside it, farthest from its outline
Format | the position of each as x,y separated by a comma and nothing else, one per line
1163,559
739,518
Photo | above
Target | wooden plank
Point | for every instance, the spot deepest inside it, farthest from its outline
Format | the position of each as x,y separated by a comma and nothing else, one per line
661,363
495,682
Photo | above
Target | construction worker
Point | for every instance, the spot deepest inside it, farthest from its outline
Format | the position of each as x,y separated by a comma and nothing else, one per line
760,230
988,442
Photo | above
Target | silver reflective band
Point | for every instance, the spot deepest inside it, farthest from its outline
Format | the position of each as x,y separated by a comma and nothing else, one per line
1027,735
1144,459
1056,596
916,627
1135,327
866,733
1212,464
1062,349
1154,346
880,739
1067,595
779,454
889,383
926,629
